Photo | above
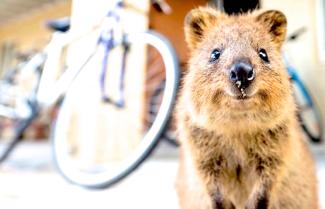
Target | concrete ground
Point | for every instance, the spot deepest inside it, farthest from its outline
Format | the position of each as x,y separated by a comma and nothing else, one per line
29,180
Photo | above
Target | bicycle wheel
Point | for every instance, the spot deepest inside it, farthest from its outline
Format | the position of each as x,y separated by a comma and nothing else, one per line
88,138
308,112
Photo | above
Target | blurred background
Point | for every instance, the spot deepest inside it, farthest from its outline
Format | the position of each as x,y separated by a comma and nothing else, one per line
29,177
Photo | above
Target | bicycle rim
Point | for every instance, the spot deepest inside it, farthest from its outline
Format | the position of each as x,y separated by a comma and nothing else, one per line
98,163
169,133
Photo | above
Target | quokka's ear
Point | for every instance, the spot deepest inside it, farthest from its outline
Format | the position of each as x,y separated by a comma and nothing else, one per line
276,23
197,22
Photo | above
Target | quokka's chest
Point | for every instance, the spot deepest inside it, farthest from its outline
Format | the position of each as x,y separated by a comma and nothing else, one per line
238,180
237,158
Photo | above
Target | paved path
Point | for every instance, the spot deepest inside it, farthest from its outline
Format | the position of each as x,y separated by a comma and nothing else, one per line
29,180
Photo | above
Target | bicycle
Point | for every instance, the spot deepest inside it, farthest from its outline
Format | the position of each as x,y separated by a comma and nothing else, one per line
308,112
47,91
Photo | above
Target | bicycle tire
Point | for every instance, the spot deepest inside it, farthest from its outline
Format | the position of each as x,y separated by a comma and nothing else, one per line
307,103
17,137
149,141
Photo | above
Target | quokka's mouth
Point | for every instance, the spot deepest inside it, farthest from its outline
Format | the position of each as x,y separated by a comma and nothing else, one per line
240,94
241,97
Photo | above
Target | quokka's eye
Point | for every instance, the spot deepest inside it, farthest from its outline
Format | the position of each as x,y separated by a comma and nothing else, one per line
215,54
263,55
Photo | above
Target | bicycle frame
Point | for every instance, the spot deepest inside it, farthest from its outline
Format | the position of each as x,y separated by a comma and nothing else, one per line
294,76
110,35
49,89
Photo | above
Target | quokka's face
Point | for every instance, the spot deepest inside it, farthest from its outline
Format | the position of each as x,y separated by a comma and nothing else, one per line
236,63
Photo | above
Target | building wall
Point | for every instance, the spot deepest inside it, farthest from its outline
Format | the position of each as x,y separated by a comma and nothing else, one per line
28,31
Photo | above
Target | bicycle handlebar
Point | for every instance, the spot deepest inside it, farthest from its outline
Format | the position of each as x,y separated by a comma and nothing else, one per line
293,36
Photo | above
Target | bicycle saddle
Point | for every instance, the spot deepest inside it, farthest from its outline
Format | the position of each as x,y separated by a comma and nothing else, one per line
61,24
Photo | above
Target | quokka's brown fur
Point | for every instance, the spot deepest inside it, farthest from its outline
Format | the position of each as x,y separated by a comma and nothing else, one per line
239,153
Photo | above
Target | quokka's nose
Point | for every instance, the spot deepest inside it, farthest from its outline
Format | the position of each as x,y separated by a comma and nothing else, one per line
242,74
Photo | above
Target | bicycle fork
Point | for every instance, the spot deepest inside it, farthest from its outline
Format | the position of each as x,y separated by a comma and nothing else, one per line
108,46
